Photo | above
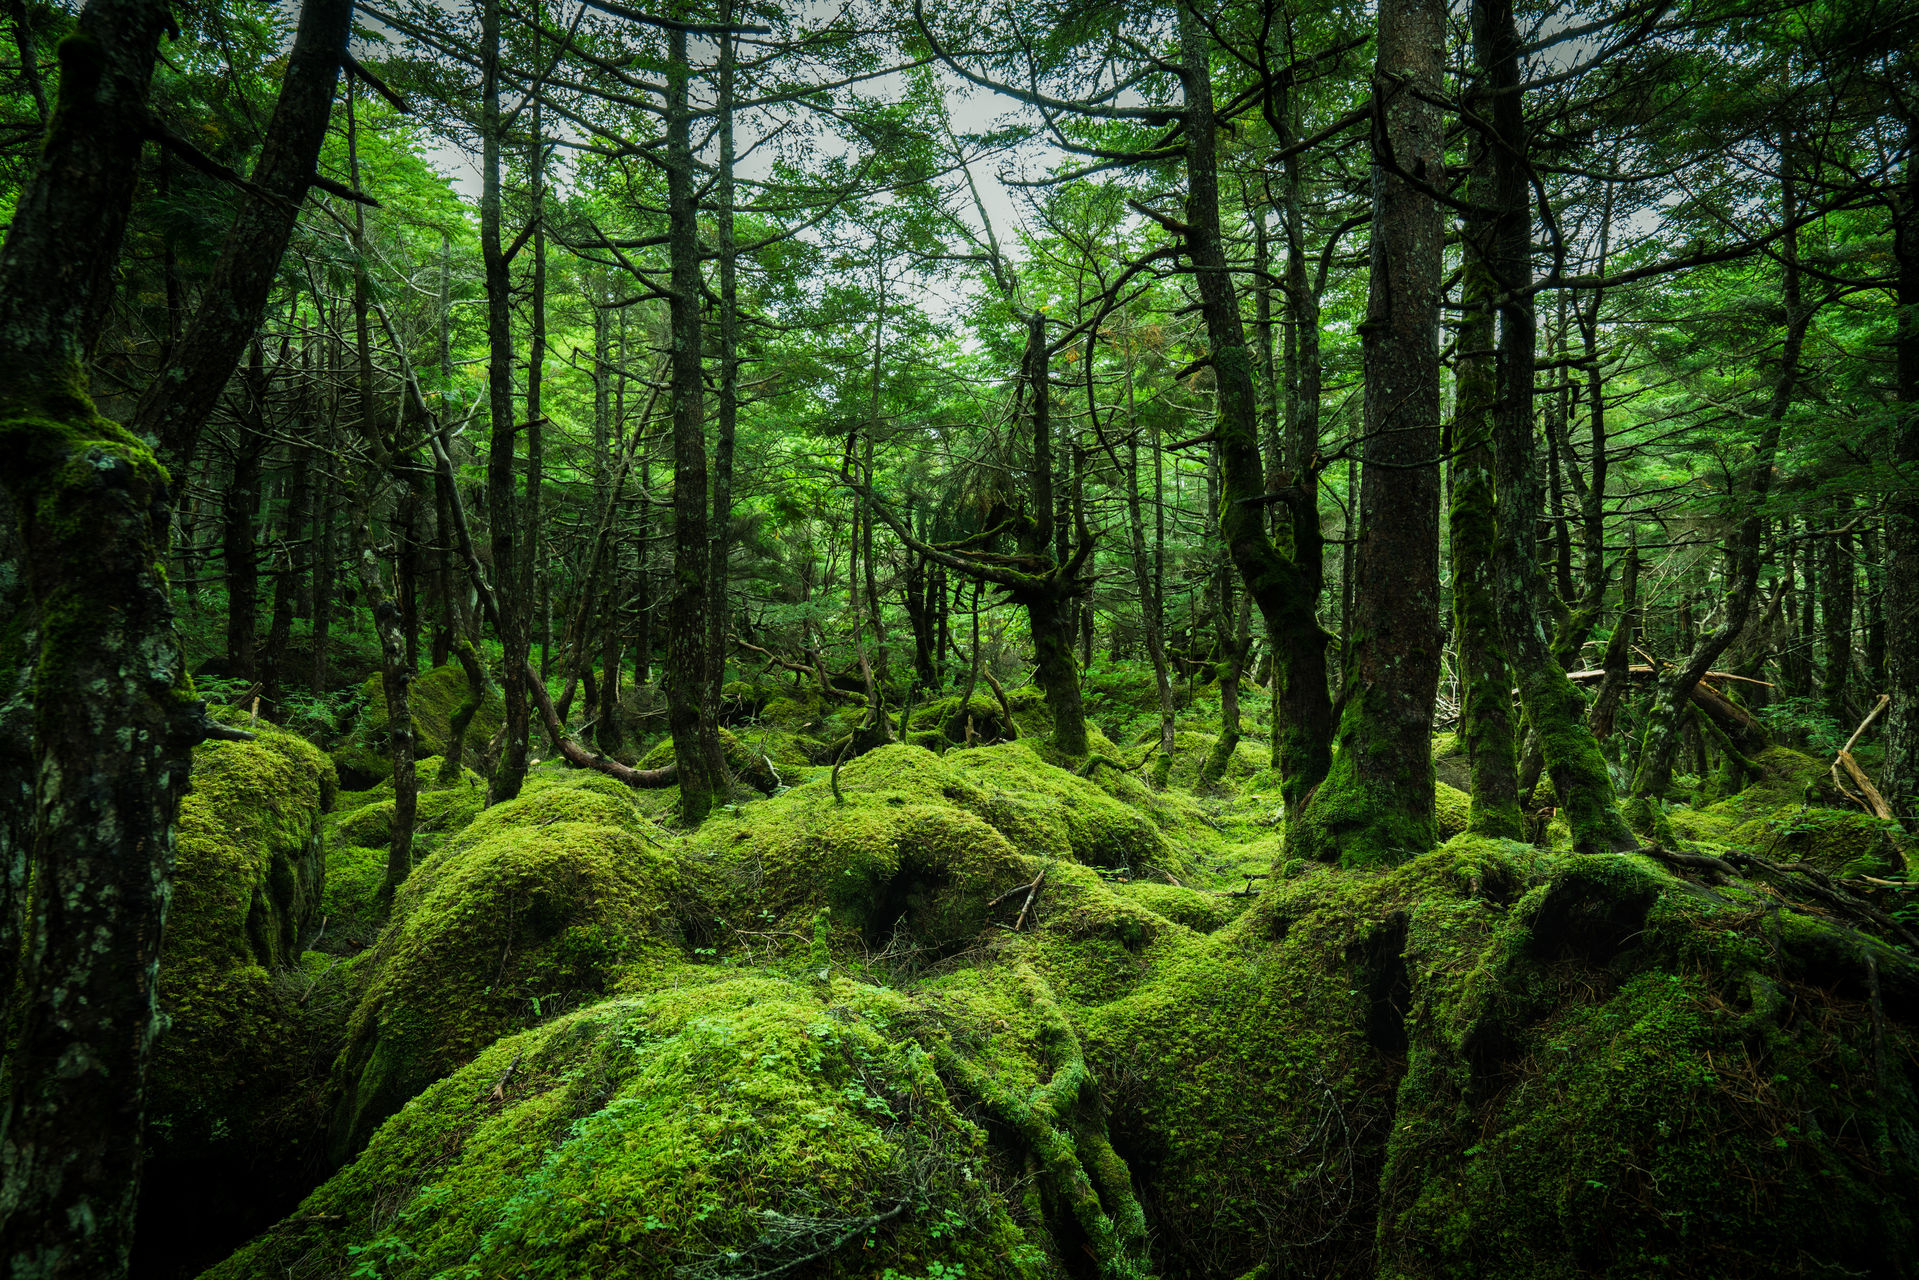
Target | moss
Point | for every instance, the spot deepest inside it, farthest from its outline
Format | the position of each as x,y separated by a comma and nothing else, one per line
1192,750
440,809
1196,909
539,904
433,698
1782,815
728,1127
232,1072
1453,809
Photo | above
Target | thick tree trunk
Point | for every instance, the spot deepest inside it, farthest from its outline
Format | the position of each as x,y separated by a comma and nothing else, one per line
87,817
1376,804
729,381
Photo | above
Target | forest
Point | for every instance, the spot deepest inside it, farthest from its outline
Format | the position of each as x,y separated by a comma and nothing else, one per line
741,640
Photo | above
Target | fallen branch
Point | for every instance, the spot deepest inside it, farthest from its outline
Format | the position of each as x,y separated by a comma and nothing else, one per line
1871,801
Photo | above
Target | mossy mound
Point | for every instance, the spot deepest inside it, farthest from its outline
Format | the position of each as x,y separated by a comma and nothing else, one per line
1453,808
1451,763
433,697
948,718
920,844
539,904
1786,815
738,1125
1497,1061
233,1105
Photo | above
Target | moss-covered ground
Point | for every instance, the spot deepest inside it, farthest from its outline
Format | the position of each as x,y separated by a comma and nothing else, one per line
961,1011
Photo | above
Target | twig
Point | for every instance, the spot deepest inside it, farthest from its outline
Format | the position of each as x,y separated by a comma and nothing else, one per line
1030,894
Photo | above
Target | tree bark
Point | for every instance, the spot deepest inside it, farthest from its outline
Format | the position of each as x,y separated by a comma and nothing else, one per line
88,815
1554,708
1285,587
1376,804
1486,728
502,506
240,507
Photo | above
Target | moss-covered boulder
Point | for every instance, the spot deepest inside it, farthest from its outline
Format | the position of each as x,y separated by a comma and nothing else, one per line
233,1097
1496,1061
434,698
353,904
536,906
732,1125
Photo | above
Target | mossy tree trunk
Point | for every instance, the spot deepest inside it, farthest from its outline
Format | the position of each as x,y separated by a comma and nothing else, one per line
396,671
1664,722
1284,585
1376,804
1901,589
1836,613
113,719
1486,729
287,579
1555,711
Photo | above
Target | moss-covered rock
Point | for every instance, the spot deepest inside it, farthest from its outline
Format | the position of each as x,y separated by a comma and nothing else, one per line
537,905
734,1125
433,697
233,1098
1497,1061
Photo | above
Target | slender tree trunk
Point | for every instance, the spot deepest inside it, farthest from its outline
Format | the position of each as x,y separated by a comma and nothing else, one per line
696,747
502,507
1664,718
1486,727
1612,690
1837,614
396,673
1901,590
240,507
1554,708
286,583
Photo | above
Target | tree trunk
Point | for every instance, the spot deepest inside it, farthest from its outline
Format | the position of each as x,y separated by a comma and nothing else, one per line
286,584
1554,708
240,506
88,814
1284,587
1376,804
1837,615
502,507
1605,712
1663,722
176,403
1902,517
696,747
1486,729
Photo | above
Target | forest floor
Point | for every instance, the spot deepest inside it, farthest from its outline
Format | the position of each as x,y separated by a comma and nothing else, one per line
960,1011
